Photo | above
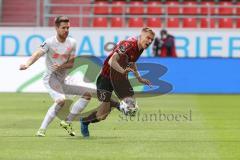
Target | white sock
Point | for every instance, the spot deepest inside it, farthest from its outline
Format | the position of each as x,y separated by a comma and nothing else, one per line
77,107
51,114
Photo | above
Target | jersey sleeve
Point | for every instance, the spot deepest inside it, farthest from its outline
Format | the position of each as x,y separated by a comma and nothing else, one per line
44,47
123,47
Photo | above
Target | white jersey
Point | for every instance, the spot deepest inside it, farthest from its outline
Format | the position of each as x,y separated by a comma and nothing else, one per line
57,52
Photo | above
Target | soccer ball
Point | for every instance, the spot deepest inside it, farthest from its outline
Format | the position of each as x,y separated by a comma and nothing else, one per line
129,106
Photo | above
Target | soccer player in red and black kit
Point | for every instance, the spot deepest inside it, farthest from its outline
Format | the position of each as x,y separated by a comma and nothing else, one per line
113,76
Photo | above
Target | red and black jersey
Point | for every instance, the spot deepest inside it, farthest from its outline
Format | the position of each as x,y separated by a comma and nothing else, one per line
128,51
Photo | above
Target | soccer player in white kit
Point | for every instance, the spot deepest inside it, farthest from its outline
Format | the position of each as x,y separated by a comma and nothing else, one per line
60,53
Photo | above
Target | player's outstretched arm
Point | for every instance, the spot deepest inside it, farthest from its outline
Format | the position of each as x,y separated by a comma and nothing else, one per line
113,62
35,56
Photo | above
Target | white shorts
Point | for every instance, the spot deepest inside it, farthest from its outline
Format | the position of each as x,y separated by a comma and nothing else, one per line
64,87
54,86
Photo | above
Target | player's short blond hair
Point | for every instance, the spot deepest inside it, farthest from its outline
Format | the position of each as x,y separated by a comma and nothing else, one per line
148,29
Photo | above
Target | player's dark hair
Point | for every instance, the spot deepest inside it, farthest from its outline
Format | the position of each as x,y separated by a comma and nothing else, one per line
60,19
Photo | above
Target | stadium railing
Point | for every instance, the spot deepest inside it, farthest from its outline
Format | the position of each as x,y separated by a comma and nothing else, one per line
126,15
36,22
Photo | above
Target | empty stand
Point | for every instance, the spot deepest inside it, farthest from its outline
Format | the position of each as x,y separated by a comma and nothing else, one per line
100,22
173,7
173,23
20,11
101,7
189,23
190,7
117,7
136,7
207,23
238,8
225,23
225,8
154,7
154,22
238,23
117,22
135,22
208,7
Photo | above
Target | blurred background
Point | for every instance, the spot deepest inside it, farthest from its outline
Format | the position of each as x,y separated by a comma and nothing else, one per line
205,38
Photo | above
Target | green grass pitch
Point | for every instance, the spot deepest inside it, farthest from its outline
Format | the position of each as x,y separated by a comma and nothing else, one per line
198,127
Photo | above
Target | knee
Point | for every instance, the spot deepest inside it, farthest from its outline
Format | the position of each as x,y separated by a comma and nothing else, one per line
60,102
101,118
87,96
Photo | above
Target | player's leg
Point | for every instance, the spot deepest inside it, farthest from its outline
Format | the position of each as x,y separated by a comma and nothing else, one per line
59,100
50,115
104,92
77,108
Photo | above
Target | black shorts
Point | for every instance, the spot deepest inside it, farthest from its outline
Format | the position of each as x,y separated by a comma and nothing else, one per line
105,86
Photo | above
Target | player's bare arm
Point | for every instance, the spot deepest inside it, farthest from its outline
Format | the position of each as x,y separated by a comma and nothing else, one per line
113,62
35,56
68,65
137,75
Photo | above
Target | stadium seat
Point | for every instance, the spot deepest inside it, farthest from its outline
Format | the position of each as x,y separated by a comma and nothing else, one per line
101,7
154,22
225,23
100,22
190,7
20,11
238,8
238,23
136,7
208,6
173,7
189,23
117,22
207,23
118,7
135,22
153,7
225,8
61,10
173,23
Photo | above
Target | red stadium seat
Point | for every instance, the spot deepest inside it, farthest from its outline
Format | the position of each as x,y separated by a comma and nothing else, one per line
173,7
238,23
207,6
154,22
116,22
205,23
101,7
225,23
136,7
189,23
118,7
173,23
225,8
238,8
190,7
135,22
154,7
100,22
